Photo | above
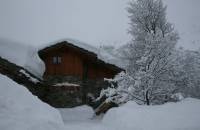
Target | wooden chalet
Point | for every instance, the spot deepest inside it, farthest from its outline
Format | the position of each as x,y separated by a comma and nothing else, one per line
66,58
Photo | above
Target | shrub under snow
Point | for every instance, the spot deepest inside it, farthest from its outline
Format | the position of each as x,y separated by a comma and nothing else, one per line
20,110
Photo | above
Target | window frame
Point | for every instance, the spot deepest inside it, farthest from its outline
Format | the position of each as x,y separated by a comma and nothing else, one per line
56,60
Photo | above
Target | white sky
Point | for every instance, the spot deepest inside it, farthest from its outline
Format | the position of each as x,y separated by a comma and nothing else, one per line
97,22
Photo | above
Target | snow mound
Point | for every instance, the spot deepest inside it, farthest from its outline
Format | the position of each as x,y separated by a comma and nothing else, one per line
171,116
22,55
77,114
101,53
20,110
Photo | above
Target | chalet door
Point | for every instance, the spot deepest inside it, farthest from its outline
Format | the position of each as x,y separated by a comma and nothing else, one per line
84,83
85,71
55,69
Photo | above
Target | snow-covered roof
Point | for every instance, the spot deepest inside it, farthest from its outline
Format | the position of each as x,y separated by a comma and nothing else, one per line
27,56
101,53
22,55
77,43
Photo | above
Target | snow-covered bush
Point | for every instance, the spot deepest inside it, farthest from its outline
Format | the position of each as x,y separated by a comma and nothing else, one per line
121,90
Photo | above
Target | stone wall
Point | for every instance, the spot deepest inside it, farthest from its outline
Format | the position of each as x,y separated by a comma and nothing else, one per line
62,78
53,95
89,90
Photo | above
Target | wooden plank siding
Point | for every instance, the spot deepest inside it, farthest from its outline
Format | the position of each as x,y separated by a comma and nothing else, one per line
71,63
76,62
96,71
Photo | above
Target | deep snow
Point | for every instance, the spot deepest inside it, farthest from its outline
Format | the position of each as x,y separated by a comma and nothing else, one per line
183,115
77,114
81,118
20,110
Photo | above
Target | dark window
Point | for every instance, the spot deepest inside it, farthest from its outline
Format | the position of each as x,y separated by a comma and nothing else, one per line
54,60
57,60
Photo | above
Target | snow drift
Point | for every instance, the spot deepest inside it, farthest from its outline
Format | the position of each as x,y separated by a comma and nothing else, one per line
171,116
76,114
20,110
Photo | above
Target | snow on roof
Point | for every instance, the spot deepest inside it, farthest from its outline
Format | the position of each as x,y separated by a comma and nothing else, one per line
100,52
27,56
22,55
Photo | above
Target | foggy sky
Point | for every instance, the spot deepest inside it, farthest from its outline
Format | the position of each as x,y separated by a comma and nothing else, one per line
37,22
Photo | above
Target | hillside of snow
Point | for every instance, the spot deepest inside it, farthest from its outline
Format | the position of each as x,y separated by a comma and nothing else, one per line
20,110
22,55
183,115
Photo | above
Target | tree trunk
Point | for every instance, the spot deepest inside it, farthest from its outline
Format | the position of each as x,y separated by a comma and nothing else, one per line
147,98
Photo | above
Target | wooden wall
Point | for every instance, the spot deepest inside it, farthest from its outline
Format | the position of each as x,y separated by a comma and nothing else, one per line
98,71
73,63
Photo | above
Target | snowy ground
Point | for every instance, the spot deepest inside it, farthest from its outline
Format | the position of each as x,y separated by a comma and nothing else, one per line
20,110
81,118
172,116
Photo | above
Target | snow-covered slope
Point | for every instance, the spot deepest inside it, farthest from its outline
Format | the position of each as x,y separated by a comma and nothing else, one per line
171,116
20,110
22,55
183,115
77,114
